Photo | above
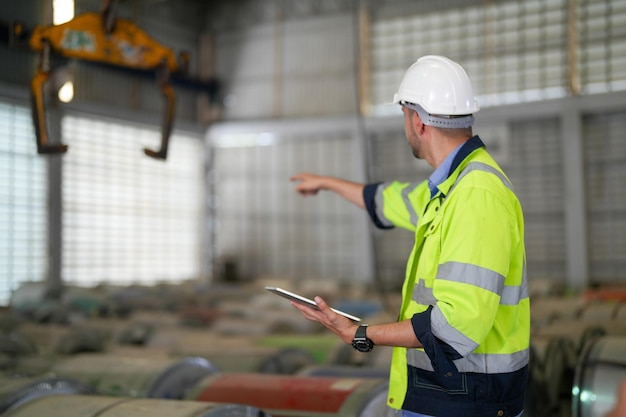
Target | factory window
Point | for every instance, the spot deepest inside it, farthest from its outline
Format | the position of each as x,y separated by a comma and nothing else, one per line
128,218
514,52
23,193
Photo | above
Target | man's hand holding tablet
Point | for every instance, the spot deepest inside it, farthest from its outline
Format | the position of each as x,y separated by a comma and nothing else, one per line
306,301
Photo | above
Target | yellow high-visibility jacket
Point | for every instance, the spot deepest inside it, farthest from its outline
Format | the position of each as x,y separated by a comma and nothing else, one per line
465,290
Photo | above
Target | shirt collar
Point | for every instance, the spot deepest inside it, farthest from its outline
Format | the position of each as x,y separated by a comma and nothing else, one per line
451,162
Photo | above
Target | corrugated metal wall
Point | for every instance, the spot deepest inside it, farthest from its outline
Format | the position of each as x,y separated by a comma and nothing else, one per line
297,68
535,169
271,231
605,169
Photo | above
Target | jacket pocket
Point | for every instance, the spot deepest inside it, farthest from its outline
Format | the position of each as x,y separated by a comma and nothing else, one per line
451,383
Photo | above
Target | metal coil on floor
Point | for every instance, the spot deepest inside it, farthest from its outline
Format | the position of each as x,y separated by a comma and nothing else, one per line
82,339
600,371
380,357
579,332
552,361
17,391
261,359
287,395
17,344
322,346
345,371
99,406
546,310
239,319
154,377
286,361
600,310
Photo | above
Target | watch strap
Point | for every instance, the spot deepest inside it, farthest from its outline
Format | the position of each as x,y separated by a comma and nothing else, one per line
361,332
361,342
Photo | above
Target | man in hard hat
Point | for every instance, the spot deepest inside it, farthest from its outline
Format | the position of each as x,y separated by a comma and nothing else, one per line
461,342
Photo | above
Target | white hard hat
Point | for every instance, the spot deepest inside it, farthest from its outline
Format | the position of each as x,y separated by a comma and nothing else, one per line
438,85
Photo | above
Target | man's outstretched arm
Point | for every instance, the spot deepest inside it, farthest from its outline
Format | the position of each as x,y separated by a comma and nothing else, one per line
310,184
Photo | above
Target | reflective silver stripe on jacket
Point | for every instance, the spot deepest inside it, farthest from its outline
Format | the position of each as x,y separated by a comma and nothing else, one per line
481,166
407,203
444,331
379,201
476,362
422,294
513,294
473,275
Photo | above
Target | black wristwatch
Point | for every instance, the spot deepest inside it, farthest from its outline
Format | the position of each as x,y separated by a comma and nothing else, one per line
360,341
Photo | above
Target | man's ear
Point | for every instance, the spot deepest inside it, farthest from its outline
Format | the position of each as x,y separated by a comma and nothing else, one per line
418,125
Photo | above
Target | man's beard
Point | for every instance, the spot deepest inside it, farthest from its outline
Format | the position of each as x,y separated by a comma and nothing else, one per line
415,148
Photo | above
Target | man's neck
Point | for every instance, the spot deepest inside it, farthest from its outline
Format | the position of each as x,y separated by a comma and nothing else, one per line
447,145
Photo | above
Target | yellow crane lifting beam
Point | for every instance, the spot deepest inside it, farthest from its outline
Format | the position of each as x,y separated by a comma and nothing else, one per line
102,38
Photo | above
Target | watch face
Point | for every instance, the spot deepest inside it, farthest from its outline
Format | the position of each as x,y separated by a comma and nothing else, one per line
363,345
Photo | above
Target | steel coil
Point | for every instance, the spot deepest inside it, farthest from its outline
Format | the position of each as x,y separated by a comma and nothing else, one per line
600,371
135,376
17,391
302,396
99,406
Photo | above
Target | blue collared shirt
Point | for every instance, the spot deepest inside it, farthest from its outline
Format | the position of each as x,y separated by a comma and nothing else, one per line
442,172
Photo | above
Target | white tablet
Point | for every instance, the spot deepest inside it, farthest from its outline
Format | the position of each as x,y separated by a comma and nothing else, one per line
306,301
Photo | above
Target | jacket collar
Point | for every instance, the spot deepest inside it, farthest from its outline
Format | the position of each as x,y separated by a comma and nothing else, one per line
466,149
